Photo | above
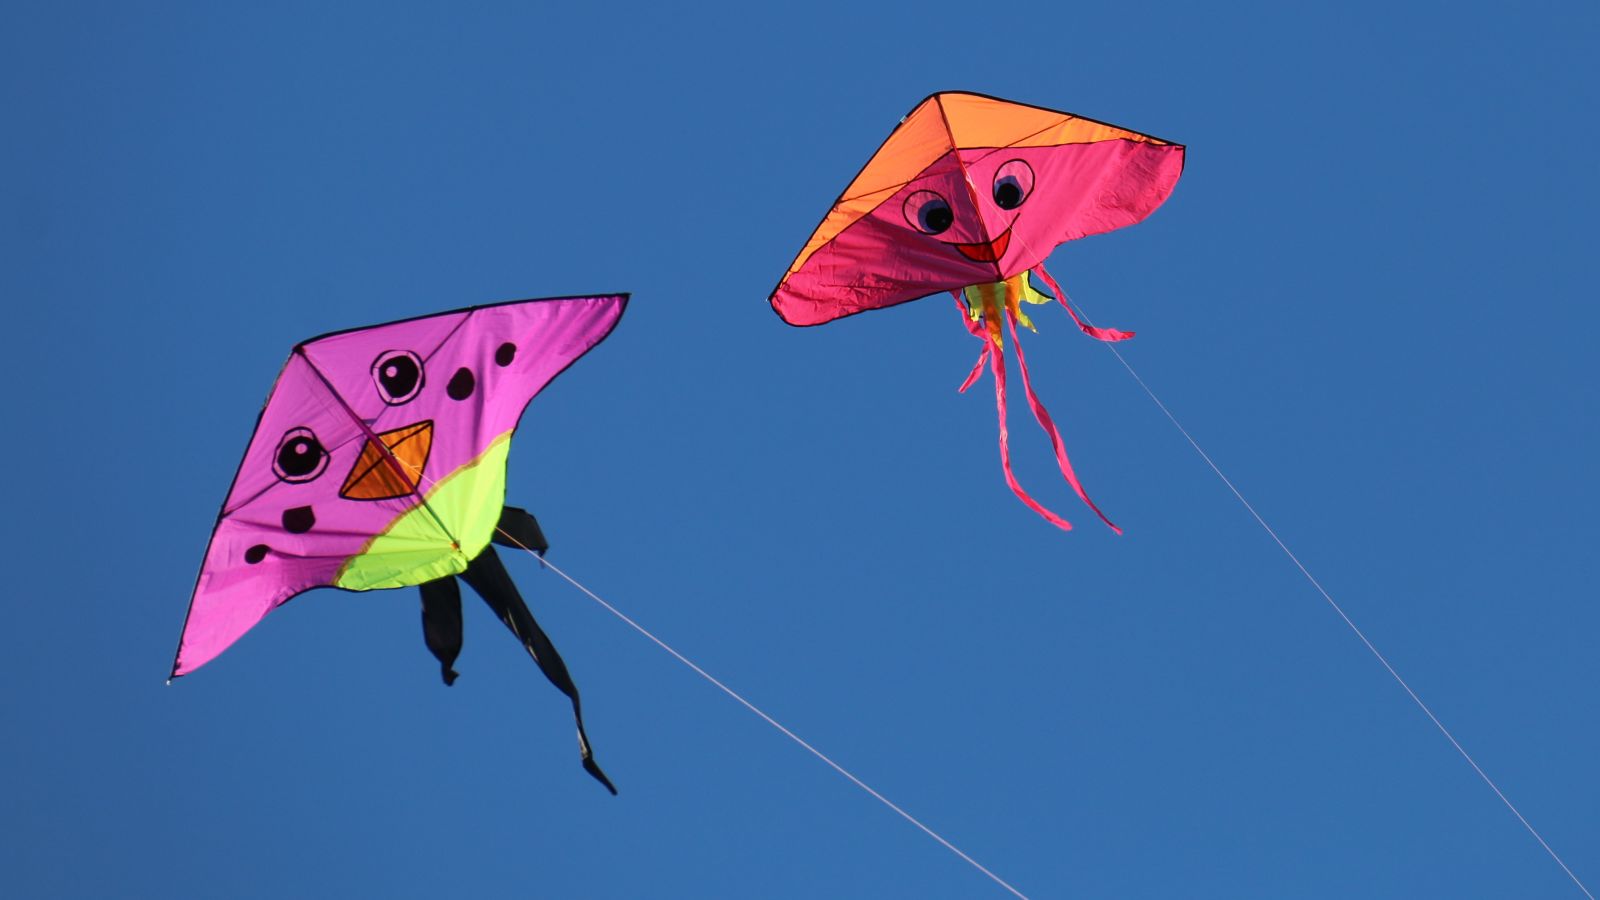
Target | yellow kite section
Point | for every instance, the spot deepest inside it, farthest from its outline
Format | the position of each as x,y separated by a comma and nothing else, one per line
414,549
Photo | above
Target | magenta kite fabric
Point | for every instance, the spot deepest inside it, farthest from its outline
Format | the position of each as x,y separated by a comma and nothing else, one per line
379,458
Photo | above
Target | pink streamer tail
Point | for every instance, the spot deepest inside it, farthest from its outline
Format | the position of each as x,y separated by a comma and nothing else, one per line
995,357
1049,425
977,331
1109,335
997,364
976,369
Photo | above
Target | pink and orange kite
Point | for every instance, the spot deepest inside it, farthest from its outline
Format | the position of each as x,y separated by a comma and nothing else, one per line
968,195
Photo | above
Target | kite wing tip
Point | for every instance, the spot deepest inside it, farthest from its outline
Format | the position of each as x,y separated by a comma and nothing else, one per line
775,300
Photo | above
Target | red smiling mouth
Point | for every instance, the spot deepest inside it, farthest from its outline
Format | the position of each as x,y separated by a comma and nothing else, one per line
986,252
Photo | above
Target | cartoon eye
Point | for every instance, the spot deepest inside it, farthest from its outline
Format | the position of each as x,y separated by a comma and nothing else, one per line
929,213
398,375
1013,182
300,458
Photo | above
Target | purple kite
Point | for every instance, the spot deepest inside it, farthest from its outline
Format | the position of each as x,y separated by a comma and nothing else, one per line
379,461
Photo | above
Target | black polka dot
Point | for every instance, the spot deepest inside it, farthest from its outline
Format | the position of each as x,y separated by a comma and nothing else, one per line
461,384
299,520
256,554
504,354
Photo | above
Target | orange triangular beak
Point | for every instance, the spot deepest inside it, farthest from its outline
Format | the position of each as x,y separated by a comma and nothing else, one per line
375,476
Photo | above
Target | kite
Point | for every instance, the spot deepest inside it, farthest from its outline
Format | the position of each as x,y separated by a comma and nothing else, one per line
379,461
968,195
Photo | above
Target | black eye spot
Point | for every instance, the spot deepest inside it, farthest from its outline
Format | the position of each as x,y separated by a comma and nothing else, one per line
256,554
929,213
1013,182
299,520
398,375
461,384
504,354
300,457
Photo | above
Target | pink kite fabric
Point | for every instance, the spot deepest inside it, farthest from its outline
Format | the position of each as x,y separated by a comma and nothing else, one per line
969,194
379,458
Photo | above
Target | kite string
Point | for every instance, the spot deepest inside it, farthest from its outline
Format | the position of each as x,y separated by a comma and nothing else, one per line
1342,615
776,724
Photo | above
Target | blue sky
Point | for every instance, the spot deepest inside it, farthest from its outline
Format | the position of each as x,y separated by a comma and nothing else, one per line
1370,298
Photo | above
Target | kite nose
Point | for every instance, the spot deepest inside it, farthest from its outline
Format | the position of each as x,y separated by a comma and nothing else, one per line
392,470
988,251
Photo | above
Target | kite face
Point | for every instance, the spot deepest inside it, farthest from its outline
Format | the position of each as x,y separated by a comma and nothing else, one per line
379,459
968,195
